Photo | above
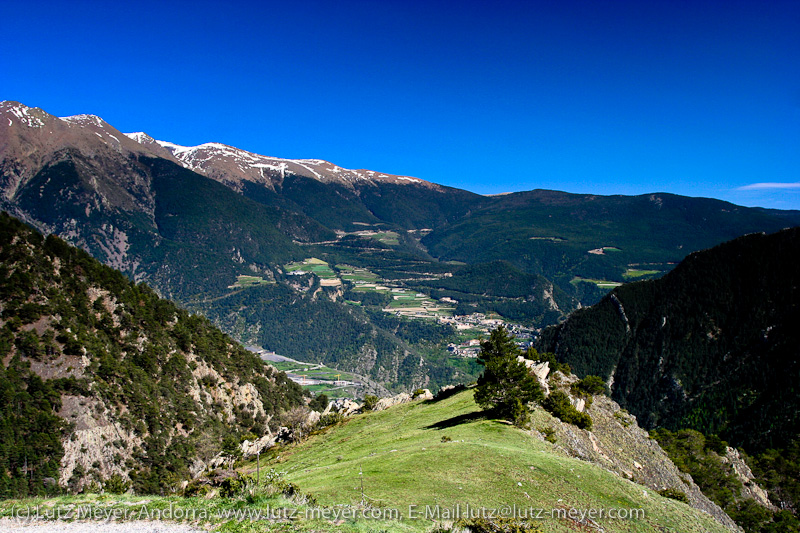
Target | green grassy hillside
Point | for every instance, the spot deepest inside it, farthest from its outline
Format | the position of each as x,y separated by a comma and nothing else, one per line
446,453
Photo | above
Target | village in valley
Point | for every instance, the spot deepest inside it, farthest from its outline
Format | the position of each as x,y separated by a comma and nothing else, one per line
412,304
403,302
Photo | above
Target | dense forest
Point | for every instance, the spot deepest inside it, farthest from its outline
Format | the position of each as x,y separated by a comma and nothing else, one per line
709,349
705,458
711,346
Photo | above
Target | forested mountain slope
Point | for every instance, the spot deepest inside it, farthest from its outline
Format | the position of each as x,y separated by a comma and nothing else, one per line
552,233
714,345
102,381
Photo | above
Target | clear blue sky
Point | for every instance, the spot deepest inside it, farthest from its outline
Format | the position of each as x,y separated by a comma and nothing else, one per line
693,97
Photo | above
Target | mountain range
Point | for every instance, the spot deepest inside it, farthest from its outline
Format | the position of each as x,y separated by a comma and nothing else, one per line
214,227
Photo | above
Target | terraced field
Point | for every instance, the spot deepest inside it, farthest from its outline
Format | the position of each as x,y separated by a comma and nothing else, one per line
243,282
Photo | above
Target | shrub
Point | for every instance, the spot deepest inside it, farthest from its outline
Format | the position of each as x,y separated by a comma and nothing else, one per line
196,488
674,494
331,419
116,485
370,401
590,385
208,381
520,414
296,420
446,392
549,434
496,525
234,486
319,403
276,483
623,418
716,444
559,406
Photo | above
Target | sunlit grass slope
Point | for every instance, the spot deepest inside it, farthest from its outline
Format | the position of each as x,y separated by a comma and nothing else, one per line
446,453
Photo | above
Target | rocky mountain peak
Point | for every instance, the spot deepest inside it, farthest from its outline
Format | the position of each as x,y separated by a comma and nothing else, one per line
141,137
31,117
31,139
84,120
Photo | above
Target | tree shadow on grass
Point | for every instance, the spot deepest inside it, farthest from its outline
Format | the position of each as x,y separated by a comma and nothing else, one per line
445,393
461,419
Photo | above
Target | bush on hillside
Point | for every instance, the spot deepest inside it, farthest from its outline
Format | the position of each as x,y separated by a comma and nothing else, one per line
446,392
590,386
370,401
558,404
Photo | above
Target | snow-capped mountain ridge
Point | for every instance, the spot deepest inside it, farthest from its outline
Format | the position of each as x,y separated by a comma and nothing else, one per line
140,137
31,139
226,164
232,165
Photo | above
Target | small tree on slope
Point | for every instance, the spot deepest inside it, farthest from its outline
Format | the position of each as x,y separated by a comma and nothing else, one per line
506,386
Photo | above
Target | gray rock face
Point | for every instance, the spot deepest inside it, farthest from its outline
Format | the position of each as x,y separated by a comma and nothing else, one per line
749,487
98,440
343,406
539,369
426,395
254,447
618,444
385,403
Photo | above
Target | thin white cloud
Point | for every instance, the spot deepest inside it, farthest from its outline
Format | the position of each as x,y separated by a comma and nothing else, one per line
766,186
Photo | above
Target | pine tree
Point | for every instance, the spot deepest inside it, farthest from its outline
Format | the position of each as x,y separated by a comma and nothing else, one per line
506,385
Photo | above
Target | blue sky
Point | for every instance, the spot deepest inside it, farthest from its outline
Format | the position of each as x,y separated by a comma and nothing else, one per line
692,97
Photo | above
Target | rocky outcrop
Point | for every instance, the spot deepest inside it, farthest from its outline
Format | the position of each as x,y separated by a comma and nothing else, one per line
618,444
743,473
254,447
578,403
539,369
133,377
385,403
97,444
343,406
425,395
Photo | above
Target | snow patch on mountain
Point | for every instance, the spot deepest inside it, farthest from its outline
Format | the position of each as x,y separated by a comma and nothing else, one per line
84,120
175,148
140,137
28,116
233,165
